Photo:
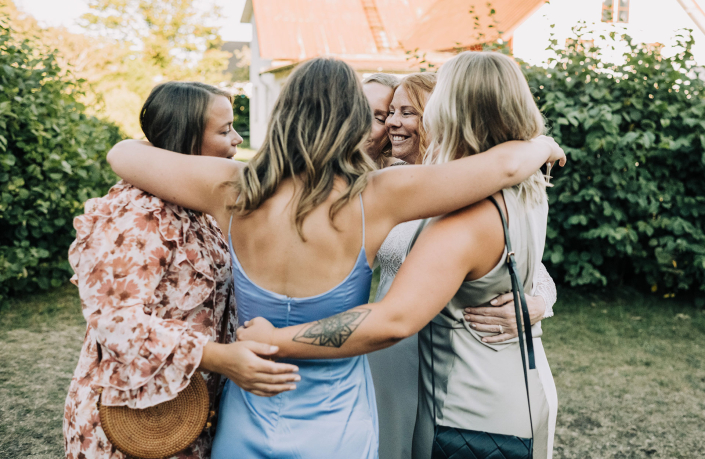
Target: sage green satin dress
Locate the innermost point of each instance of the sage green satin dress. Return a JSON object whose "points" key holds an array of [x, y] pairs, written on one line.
{"points": [[480, 386]]}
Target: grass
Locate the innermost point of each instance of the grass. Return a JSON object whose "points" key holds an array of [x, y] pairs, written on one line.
{"points": [[630, 373], [40, 339], [245, 154]]}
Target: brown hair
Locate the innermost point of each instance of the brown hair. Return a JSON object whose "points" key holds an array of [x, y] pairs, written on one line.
{"points": [[482, 99], [392, 83], [316, 132], [175, 114], [419, 86]]}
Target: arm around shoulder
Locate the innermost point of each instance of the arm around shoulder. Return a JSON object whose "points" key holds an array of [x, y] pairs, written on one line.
{"points": [[428, 279], [195, 182], [413, 192]]}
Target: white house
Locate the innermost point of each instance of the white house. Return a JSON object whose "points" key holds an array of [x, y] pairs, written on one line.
{"points": [[646, 21]]}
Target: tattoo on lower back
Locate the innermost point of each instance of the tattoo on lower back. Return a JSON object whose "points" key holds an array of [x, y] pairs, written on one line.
{"points": [[333, 331]]}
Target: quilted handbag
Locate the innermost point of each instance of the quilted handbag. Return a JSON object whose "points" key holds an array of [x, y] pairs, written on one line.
{"points": [[456, 443]]}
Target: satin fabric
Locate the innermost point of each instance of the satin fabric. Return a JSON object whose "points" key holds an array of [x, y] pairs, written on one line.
{"points": [[332, 412]]}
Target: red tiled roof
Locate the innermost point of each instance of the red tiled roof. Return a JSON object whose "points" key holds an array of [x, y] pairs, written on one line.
{"points": [[400, 16], [449, 22], [301, 29]]}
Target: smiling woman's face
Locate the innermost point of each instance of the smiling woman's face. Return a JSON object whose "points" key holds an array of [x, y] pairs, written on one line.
{"points": [[379, 97], [403, 127], [219, 137]]}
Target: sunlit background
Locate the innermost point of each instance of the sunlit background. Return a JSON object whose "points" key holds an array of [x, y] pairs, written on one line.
{"points": [[626, 234], [376, 40], [66, 13]]}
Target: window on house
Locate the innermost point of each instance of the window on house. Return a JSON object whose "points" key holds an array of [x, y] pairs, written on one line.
{"points": [[623, 11], [607, 10], [615, 11]]}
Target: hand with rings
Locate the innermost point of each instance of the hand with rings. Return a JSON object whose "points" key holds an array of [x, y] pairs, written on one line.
{"points": [[498, 317]]}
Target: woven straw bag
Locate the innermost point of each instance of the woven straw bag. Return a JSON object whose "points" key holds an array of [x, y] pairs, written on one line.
{"points": [[163, 430]]}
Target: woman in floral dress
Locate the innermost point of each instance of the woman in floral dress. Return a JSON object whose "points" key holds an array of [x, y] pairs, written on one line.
{"points": [[155, 280]]}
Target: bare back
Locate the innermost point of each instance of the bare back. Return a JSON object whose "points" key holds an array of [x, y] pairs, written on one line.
{"points": [[274, 256]]}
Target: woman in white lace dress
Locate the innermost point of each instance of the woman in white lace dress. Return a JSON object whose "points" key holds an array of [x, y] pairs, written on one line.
{"points": [[395, 370]]}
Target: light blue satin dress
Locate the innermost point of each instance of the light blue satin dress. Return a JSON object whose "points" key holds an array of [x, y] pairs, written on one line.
{"points": [[332, 412]]}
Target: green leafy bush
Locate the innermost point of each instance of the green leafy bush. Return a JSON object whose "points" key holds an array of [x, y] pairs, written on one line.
{"points": [[52, 159], [630, 205], [241, 118]]}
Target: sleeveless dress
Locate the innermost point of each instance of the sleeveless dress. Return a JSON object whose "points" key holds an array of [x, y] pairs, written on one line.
{"points": [[480, 386], [395, 370], [332, 412]]}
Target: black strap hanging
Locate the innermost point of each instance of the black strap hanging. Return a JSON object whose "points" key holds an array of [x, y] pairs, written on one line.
{"points": [[464, 443]]}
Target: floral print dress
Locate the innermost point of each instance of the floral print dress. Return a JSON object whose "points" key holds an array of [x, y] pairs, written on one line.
{"points": [[154, 280]]}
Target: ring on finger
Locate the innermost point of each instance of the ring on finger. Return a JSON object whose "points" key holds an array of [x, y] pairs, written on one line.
{"points": [[501, 329]]}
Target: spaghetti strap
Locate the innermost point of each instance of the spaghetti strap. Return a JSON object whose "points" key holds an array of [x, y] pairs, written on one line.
{"points": [[362, 207], [230, 226]]}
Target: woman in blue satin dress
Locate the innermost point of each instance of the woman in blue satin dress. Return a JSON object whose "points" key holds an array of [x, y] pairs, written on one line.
{"points": [[333, 407], [306, 217]]}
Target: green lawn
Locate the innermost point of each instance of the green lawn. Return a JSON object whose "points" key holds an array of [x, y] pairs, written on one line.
{"points": [[630, 373]]}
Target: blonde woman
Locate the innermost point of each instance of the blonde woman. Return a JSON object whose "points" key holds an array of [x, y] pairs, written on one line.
{"points": [[482, 100], [379, 90], [305, 218], [395, 370]]}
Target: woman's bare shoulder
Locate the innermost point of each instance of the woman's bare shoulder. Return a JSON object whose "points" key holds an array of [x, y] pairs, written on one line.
{"points": [[475, 230]]}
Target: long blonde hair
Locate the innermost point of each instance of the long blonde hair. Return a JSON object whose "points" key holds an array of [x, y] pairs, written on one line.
{"points": [[481, 100], [392, 83], [419, 86], [316, 132]]}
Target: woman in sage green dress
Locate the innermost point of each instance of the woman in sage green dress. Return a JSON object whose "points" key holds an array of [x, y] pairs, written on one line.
{"points": [[395, 370]]}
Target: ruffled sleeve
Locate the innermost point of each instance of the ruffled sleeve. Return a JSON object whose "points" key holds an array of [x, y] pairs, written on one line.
{"points": [[546, 289], [125, 252]]}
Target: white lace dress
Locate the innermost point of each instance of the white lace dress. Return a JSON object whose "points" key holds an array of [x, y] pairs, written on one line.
{"points": [[395, 370]]}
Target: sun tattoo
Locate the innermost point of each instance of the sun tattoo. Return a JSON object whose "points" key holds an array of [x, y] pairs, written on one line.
{"points": [[333, 331]]}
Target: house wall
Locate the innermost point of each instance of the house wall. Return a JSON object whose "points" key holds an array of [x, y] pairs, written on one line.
{"points": [[262, 89], [650, 21]]}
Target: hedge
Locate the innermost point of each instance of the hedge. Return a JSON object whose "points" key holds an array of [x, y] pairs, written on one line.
{"points": [[52, 159], [629, 208]]}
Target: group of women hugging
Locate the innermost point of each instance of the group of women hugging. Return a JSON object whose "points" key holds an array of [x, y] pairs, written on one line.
{"points": [[351, 174]]}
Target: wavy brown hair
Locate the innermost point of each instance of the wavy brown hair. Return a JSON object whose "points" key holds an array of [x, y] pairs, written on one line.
{"points": [[316, 133], [419, 87]]}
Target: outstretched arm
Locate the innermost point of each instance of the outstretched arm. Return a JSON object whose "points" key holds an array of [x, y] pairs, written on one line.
{"points": [[431, 275], [198, 183], [412, 192]]}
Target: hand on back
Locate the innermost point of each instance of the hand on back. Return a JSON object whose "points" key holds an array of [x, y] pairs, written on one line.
{"points": [[245, 363], [498, 317]]}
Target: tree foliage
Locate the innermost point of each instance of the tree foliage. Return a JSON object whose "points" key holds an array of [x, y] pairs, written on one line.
{"points": [[51, 161], [174, 36], [630, 205], [131, 45]]}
